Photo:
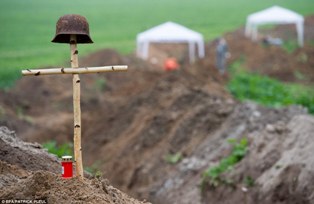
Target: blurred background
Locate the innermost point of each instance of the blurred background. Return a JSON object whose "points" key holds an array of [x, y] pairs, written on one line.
{"points": [[28, 26]]}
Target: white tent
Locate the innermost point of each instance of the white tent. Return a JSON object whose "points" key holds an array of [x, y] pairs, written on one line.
{"points": [[274, 15], [170, 32]]}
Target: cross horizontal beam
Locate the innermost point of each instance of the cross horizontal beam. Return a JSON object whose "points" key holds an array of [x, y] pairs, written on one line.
{"points": [[81, 70]]}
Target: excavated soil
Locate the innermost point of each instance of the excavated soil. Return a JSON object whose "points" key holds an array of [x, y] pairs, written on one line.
{"points": [[132, 120], [28, 172]]}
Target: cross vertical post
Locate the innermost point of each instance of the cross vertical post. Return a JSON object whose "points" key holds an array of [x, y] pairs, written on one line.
{"points": [[76, 108]]}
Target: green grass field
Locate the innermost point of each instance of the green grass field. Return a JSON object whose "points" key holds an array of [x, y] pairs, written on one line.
{"points": [[27, 26]]}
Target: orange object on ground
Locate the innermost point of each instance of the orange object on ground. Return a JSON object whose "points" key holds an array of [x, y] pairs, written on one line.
{"points": [[171, 64]]}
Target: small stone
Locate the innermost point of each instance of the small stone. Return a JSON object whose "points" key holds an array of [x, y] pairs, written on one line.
{"points": [[270, 128]]}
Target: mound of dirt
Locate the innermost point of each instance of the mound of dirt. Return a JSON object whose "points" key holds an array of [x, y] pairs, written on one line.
{"points": [[29, 156], [54, 189], [280, 163], [29, 172], [267, 130]]}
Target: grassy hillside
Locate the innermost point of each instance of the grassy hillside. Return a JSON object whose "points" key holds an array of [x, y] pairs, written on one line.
{"points": [[27, 26]]}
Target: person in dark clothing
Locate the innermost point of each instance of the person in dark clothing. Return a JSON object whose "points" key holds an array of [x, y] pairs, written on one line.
{"points": [[221, 55]]}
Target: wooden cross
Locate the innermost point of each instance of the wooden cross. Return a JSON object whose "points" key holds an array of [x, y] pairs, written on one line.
{"points": [[75, 70]]}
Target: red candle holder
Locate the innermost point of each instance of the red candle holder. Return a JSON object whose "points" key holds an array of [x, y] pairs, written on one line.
{"points": [[67, 167]]}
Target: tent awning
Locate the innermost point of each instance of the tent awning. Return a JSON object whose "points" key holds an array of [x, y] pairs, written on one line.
{"points": [[170, 32], [274, 15]]}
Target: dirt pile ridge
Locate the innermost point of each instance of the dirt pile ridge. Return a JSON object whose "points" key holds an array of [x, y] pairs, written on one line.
{"points": [[29, 156], [28, 172], [273, 151], [280, 163]]}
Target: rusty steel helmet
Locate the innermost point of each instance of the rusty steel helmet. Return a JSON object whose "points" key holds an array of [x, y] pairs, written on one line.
{"points": [[70, 24]]}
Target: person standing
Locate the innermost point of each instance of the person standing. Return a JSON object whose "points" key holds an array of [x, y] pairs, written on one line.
{"points": [[221, 55]]}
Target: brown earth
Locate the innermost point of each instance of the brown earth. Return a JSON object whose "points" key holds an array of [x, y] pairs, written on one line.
{"points": [[131, 121], [28, 172], [270, 153]]}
